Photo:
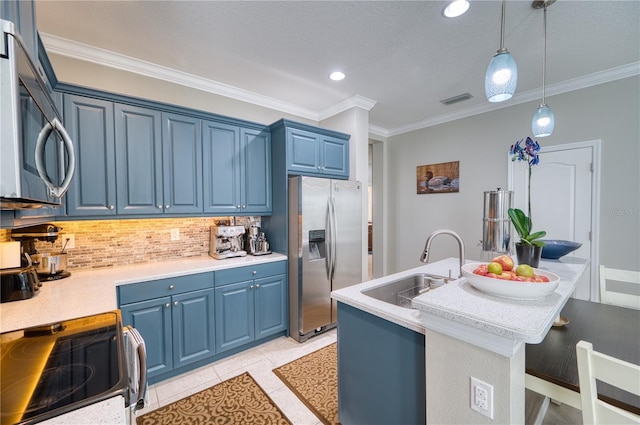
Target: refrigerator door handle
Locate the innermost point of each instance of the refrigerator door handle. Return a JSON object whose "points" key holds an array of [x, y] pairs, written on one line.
{"points": [[334, 237], [328, 225]]}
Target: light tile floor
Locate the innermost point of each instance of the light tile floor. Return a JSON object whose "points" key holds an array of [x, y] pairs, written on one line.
{"points": [[259, 362]]}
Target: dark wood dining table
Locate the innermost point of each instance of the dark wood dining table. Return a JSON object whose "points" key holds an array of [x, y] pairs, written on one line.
{"points": [[612, 330]]}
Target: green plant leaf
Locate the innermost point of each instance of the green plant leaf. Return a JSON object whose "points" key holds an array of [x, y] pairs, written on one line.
{"points": [[519, 221], [537, 235]]}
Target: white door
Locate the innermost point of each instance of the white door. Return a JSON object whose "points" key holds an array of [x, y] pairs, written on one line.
{"points": [[563, 201]]}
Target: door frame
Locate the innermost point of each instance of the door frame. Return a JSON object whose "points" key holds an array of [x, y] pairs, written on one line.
{"points": [[595, 146]]}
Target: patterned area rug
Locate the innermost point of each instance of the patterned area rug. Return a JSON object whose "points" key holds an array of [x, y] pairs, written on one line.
{"points": [[238, 400], [314, 379]]}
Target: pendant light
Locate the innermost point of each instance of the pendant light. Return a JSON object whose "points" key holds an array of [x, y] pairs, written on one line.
{"points": [[543, 120], [502, 74]]}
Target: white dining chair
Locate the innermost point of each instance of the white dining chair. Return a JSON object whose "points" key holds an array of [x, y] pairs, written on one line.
{"points": [[609, 296], [594, 365]]}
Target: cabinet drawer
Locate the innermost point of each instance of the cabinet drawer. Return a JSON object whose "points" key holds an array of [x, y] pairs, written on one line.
{"points": [[240, 274], [163, 287]]}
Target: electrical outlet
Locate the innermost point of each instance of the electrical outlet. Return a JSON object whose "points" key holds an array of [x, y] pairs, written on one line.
{"points": [[175, 234], [482, 397], [69, 241]]}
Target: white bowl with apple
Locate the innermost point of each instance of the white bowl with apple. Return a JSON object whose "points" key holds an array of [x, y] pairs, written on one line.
{"points": [[502, 278]]}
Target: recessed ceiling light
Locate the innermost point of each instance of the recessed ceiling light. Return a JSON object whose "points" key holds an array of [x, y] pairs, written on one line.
{"points": [[337, 76], [455, 8]]}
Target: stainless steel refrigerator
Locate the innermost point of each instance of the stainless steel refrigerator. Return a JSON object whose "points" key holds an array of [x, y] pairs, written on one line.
{"points": [[325, 249]]}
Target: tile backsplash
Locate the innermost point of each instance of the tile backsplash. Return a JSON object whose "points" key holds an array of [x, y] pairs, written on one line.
{"points": [[108, 243]]}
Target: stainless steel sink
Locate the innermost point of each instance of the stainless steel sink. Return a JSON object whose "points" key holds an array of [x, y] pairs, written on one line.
{"points": [[400, 292]]}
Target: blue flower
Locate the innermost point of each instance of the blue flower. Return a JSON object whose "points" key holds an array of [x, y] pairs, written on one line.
{"points": [[527, 153]]}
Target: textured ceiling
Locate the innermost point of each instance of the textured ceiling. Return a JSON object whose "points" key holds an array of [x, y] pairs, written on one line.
{"points": [[403, 55]]}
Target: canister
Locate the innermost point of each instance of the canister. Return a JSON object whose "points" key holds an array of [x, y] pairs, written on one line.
{"points": [[496, 225]]}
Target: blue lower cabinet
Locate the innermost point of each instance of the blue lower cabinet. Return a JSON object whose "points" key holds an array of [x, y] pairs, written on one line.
{"points": [[152, 319], [234, 315], [175, 318], [193, 327], [250, 310], [381, 370]]}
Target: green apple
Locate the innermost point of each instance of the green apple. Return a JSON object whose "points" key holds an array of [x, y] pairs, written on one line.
{"points": [[524, 270], [495, 268]]}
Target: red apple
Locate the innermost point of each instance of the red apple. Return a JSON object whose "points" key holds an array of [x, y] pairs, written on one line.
{"points": [[509, 274], [505, 261]]}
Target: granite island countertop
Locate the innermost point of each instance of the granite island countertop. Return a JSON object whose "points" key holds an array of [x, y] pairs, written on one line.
{"points": [[88, 292], [458, 307]]}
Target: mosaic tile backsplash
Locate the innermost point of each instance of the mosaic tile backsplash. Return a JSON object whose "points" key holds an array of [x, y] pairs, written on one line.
{"points": [[108, 243]]}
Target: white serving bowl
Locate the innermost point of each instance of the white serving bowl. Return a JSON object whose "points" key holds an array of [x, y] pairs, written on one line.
{"points": [[509, 288]]}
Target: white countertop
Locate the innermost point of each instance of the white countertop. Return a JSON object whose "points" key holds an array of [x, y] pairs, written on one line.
{"points": [[459, 304], [88, 292]]}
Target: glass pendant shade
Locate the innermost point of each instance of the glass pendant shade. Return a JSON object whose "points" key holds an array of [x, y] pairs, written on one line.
{"points": [[543, 121], [502, 77]]}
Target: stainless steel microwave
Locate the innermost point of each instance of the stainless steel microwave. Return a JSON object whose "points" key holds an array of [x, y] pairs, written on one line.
{"points": [[37, 159]]}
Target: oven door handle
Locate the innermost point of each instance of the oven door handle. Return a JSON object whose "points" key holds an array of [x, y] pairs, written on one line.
{"points": [[55, 191], [142, 385]]}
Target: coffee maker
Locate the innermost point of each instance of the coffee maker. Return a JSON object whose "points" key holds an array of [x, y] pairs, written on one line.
{"points": [[257, 243], [49, 266], [227, 242]]}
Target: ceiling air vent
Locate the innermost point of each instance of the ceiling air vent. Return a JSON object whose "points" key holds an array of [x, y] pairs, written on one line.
{"points": [[458, 98]]}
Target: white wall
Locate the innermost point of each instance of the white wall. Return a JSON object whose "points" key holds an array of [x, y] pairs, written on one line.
{"points": [[609, 112]]}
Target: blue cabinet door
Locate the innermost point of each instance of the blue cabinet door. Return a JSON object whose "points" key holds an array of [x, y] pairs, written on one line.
{"points": [[303, 152], [90, 125], [234, 315], [270, 305], [335, 156], [193, 327], [138, 160], [317, 154], [182, 157], [221, 162], [256, 174], [152, 319]]}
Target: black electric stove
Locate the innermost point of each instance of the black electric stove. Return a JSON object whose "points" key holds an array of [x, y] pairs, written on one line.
{"points": [[52, 369]]}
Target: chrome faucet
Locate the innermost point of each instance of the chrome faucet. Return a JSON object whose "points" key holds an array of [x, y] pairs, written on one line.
{"points": [[425, 254]]}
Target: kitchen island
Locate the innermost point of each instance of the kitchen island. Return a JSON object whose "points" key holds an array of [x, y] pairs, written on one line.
{"points": [[88, 292], [466, 333]]}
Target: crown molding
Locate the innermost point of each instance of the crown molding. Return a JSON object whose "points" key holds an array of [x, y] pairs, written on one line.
{"points": [[585, 81], [73, 49], [354, 101]]}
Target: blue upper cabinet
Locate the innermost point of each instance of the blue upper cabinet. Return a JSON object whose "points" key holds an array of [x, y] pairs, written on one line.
{"points": [[255, 153], [312, 150], [182, 157], [221, 162], [138, 160], [90, 124], [158, 162], [237, 169]]}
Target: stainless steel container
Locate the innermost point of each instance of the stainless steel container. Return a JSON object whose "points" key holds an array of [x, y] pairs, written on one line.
{"points": [[496, 225], [49, 263]]}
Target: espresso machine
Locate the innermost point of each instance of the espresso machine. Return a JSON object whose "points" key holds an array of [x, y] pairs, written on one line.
{"points": [[227, 242], [49, 266], [257, 243]]}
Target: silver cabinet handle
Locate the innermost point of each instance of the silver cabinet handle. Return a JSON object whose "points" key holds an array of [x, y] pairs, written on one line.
{"points": [[244, 206], [159, 206], [167, 305], [255, 272], [251, 287], [171, 286], [111, 207], [238, 206], [257, 285], [175, 303], [167, 206]]}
